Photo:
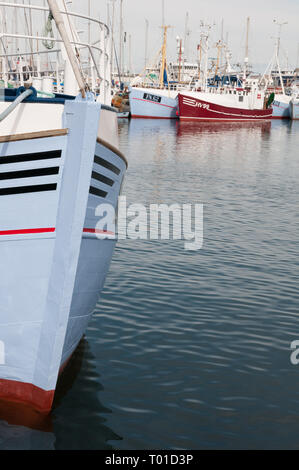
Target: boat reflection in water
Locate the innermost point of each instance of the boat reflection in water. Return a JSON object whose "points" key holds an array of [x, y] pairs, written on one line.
{"points": [[185, 128], [76, 406], [158, 133], [206, 140]]}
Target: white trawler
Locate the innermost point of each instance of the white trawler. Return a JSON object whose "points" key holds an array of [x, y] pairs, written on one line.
{"points": [[59, 160], [152, 99]]}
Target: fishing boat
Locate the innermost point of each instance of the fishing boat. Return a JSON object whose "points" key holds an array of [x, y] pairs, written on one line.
{"points": [[154, 103], [59, 162], [294, 102], [150, 98], [224, 105], [294, 109], [279, 83], [230, 101], [281, 106]]}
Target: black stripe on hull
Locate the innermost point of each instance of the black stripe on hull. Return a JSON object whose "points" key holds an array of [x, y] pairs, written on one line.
{"points": [[28, 189], [29, 173], [100, 161], [102, 178], [30, 157], [97, 192]]}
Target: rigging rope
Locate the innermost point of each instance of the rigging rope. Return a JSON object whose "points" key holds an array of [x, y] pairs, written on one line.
{"points": [[48, 31]]}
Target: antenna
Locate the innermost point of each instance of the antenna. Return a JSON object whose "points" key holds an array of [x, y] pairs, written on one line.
{"points": [[280, 25], [146, 44], [187, 34]]}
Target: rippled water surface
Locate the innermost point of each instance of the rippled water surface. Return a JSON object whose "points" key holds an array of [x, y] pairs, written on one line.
{"points": [[191, 349]]}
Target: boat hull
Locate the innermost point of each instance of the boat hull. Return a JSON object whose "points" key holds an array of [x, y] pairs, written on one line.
{"points": [[153, 104], [196, 109], [281, 110], [294, 105], [54, 260]]}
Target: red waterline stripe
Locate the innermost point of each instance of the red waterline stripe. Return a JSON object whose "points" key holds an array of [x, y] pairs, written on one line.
{"points": [[26, 231], [153, 117], [49, 230], [153, 102], [94, 230]]}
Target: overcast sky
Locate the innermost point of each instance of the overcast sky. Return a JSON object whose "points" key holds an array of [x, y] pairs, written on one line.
{"points": [[233, 14]]}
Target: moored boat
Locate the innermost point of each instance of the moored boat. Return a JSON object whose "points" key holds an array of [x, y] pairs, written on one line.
{"points": [[156, 99], [59, 160], [294, 109], [281, 107], [230, 105], [153, 103]]}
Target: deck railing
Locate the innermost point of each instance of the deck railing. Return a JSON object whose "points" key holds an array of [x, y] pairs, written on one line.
{"points": [[26, 56]]}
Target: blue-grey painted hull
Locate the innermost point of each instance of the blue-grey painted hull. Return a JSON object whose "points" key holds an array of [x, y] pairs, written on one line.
{"points": [[294, 110], [165, 107], [281, 110], [53, 264]]}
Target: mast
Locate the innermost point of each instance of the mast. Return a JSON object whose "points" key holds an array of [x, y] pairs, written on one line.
{"points": [[180, 51], [199, 51], [121, 39], [130, 55], [222, 38], [219, 47], [17, 26], [246, 48], [206, 62], [112, 35], [278, 66], [146, 44], [4, 63], [187, 34], [67, 44], [280, 25], [163, 58], [89, 39], [205, 49]]}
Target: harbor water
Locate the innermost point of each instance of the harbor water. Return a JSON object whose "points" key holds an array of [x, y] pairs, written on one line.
{"points": [[191, 349]]}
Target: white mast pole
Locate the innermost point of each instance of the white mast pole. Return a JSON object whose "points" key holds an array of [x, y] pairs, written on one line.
{"points": [[121, 39], [146, 45], [68, 47], [186, 39], [112, 36], [277, 53], [4, 45], [130, 54], [246, 49]]}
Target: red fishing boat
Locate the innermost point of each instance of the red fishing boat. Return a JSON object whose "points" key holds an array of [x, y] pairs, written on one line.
{"points": [[231, 104]]}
